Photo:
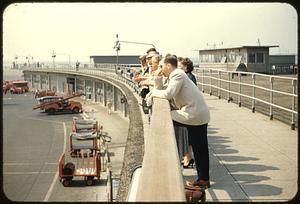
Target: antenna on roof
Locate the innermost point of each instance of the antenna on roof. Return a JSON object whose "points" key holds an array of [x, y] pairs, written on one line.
{"points": [[214, 46], [258, 41]]}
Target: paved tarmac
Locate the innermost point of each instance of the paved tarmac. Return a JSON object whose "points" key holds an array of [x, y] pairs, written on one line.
{"points": [[116, 126]]}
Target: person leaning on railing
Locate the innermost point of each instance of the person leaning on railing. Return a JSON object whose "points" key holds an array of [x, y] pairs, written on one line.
{"points": [[187, 66], [145, 74], [192, 112], [152, 76]]}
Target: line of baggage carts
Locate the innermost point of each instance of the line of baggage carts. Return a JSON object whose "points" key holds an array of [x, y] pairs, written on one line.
{"points": [[83, 158]]}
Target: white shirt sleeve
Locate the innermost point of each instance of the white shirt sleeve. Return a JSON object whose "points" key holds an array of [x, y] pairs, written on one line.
{"points": [[172, 90]]}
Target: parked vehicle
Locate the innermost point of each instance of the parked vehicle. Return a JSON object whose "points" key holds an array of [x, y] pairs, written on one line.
{"points": [[61, 105], [6, 86], [84, 164], [41, 93], [83, 157], [46, 99], [19, 87]]}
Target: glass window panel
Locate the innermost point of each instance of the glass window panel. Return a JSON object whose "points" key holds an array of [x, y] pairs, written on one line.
{"points": [[259, 57], [251, 58]]}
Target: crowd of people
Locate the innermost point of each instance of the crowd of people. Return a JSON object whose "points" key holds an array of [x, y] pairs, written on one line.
{"points": [[170, 77]]}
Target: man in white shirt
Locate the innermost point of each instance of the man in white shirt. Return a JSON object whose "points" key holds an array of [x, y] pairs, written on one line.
{"points": [[192, 112]]}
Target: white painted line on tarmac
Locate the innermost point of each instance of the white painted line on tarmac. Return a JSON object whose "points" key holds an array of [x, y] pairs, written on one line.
{"points": [[30, 172], [45, 120], [65, 137], [24, 164], [56, 175]]}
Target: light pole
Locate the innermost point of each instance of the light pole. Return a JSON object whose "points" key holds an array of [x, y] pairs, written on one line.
{"points": [[117, 46], [16, 58], [53, 56]]}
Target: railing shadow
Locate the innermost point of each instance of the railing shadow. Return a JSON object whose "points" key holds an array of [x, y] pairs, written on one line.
{"points": [[234, 175]]}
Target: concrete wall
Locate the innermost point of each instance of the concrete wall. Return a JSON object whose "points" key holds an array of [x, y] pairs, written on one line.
{"points": [[95, 89]]}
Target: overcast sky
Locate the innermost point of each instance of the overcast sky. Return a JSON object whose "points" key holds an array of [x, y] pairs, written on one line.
{"points": [[79, 30]]}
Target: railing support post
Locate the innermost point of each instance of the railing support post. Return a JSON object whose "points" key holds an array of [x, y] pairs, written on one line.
{"points": [[109, 186], [104, 94], [210, 82], [293, 104], [271, 97], [202, 80], [240, 89], [228, 95], [253, 93], [219, 91]]}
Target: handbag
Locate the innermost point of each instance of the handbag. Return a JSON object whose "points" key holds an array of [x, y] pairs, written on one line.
{"points": [[195, 195]]}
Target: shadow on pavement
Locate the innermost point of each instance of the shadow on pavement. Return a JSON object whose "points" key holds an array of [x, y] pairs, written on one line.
{"points": [[234, 175]]}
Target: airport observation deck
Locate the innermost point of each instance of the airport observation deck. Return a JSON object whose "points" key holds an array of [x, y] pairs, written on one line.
{"points": [[252, 158]]}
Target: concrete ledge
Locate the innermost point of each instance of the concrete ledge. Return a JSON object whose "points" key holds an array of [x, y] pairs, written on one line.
{"points": [[161, 177]]}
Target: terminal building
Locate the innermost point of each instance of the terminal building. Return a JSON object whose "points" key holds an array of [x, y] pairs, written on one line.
{"points": [[132, 60], [247, 58]]}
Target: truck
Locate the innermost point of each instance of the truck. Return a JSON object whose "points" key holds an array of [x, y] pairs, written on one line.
{"points": [[6, 86], [19, 87], [15, 87], [61, 105]]}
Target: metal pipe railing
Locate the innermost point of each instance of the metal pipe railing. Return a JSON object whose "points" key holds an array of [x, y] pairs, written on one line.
{"points": [[215, 74]]}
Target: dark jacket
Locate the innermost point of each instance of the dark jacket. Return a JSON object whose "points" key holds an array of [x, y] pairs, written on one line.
{"points": [[192, 77]]}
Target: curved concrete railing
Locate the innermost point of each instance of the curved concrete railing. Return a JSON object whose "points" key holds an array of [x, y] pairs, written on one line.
{"points": [[134, 149], [161, 177]]}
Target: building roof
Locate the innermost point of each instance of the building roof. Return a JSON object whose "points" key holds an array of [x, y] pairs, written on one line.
{"points": [[112, 59], [93, 56], [239, 47]]}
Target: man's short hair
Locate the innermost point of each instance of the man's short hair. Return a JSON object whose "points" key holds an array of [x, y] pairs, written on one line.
{"points": [[151, 49], [172, 59], [142, 58]]}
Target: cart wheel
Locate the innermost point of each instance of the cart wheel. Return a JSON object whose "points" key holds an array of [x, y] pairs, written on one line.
{"points": [[89, 181], [66, 182]]}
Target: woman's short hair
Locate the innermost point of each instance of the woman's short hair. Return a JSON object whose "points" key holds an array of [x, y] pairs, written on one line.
{"points": [[190, 65], [187, 62]]}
